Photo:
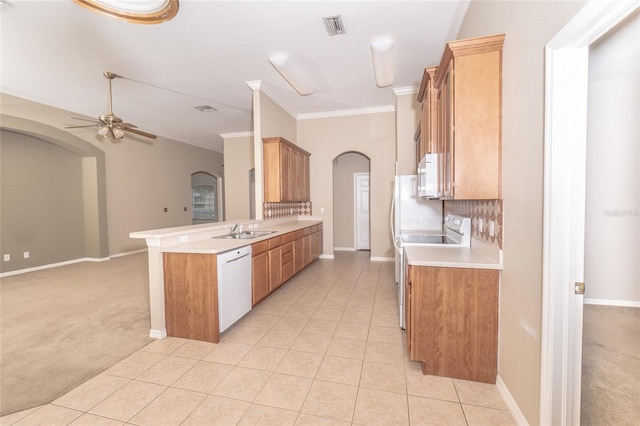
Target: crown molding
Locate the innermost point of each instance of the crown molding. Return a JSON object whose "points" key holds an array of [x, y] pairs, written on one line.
{"points": [[346, 112], [407, 90], [236, 135], [254, 84]]}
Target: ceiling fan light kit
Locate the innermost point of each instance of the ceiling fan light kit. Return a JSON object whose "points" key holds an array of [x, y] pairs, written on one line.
{"points": [[292, 73], [384, 61], [109, 125], [138, 12]]}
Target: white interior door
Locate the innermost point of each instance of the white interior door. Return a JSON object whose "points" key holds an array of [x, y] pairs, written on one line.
{"points": [[361, 191], [566, 59]]}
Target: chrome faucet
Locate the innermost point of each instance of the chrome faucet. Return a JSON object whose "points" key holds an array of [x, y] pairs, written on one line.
{"points": [[235, 227]]}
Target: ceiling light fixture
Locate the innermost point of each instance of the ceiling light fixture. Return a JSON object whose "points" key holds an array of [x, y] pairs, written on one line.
{"points": [[205, 108], [292, 73], [384, 61], [139, 12]]}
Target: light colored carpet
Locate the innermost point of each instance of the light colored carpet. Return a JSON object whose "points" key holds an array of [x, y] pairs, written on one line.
{"points": [[610, 366], [61, 326]]}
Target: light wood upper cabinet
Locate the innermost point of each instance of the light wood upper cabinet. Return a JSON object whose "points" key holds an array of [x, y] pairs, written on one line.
{"points": [[427, 97], [469, 107], [286, 171]]}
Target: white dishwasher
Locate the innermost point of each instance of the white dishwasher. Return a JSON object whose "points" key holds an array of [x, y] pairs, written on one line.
{"points": [[234, 285]]}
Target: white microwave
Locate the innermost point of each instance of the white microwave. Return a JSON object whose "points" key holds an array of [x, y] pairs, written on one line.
{"points": [[428, 176]]}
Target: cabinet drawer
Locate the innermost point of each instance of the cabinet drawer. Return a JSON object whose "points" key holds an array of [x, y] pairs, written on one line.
{"points": [[298, 234], [287, 271], [287, 257], [287, 237], [274, 242], [258, 248]]}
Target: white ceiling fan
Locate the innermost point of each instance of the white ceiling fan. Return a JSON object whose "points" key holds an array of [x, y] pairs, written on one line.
{"points": [[109, 125]]}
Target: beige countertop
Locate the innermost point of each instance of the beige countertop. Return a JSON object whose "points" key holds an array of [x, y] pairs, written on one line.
{"points": [[478, 256], [213, 245]]}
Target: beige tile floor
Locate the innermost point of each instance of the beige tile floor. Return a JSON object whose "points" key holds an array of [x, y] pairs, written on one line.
{"points": [[325, 349]]}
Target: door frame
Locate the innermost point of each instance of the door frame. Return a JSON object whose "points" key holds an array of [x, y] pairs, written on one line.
{"points": [[565, 140], [355, 208]]}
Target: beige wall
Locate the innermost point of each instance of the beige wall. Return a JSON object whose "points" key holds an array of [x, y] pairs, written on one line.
{"points": [[275, 121], [612, 238], [372, 135], [42, 202], [142, 176], [407, 121], [238, 160], [528, 27], [343, 197]]}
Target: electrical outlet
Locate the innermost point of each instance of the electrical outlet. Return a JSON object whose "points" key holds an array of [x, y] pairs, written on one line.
{"points": [[165, 209], [26, 254], [321, 210], [7, 257], [492, 230], [480, 224]]}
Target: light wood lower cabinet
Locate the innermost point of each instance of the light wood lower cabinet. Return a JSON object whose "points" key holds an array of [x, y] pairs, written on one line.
{"points": [[191, 296], [452, 321], [191, 281], [298, 251], [275, 263], [259, 271]]}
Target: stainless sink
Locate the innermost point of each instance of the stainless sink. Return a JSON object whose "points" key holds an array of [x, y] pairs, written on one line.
{"points": [[245, 235]]}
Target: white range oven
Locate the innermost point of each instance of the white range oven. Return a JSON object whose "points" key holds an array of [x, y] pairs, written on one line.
{"points": [[456, 233]]}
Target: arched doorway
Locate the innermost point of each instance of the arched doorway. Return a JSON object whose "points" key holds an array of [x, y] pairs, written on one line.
{"points": [[351, 217]]}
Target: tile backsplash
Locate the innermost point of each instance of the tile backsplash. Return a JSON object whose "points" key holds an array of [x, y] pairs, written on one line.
{"points": [[488, 210], [280, 210]]}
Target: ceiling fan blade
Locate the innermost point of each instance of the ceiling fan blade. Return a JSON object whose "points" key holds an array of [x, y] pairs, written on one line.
{"points": [[78, 127], [128, 125], [139, 132], [113, 135], [85, 119]]}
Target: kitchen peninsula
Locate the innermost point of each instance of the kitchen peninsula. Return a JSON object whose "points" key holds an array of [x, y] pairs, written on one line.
{"points": [[304, 233]]}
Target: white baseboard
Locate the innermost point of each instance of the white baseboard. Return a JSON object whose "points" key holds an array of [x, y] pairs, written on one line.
{"points": [[326, 256], [127, 253], [344, 249], [67, 262], [382, 259], [154, 333], [611, 302], [520, 419]]}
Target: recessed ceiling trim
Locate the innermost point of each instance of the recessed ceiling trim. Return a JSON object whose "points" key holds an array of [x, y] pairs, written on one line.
{"points": [[138, 12]]}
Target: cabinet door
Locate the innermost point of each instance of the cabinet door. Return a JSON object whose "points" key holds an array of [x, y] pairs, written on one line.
{"points": [[298, 255], [191, 296], [306, 192], [308, 249], [275, 268], [285, 173], [446, 131], [454, 322], [260, 277]]}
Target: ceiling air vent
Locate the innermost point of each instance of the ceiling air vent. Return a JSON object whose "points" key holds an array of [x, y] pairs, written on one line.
{"points": [[334, 25], [205, 108]]}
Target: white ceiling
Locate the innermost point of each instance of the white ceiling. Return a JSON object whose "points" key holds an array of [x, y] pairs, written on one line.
{"points": [[54, 52]]}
